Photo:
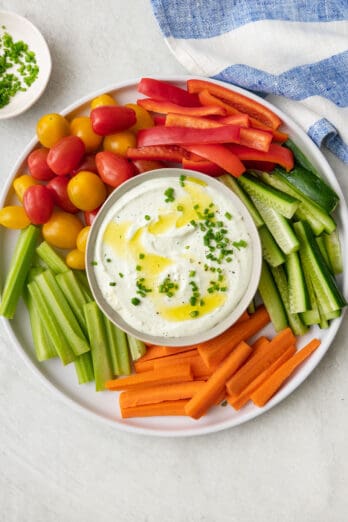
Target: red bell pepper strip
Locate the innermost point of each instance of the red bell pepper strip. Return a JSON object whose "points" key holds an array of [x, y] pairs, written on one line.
{"points": [[185, 135], [205, 166], [170, 153], [206, 98], [159, 120], [142, 165], [235, 119], [221, 155], [238, 101], [276, 154], [159, 90], [264, 166], [163, 107], [249, 137]]}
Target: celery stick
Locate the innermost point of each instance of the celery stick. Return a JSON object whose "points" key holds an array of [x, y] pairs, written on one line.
{"points": [[83, 281], [84, 368], [50, 257], [111, 335], [251, 308], [51, 323], [44, 347], [123, 356], [75, 296], [19, 268], [137, 348], [59, 307], [98, 340]]}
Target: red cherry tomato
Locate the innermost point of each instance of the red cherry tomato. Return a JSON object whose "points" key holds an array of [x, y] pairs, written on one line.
{"points": [[113, 169], [88, 163], [58, 188], [110, 119], [90, 215], [38, 204], [65, 155], [146, 165], [37, 163]]}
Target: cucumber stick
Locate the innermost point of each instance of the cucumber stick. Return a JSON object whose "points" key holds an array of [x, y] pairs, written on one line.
{"points": [[333, 249], [311, 186], [301, 159], [232, 184], [295, 322], [270, 250], [271, 299], [19, 269], [276, 180], [298, 294], [99, 347], [279, 227], [328, 295], [271, 197], [311, 316]]}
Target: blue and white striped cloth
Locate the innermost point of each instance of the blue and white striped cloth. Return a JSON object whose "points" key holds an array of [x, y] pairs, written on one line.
{"points": [[294, 52]]}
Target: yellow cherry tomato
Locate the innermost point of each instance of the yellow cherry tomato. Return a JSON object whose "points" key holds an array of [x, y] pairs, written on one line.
{"points": [[76, 259], [62, 229], [82, 127], [86, 190], [144, 118], [101, 101], [21, 184], [14, 217], [81, 241], [120, 142], [51, 128]]}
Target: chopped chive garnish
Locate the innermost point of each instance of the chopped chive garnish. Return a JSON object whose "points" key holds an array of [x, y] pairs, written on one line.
{"points": [[169, 193], [135, 301], [228, 215], [94, 263], [180, 208], [108, 260], [147, 217], [192, 273], [112, 283], [120, 274], [138, 268], [182, 180], [194, 313], [141, 256]]}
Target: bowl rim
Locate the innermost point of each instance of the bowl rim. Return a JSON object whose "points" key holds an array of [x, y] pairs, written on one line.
{"points": [[223, 324], [36, 92]]}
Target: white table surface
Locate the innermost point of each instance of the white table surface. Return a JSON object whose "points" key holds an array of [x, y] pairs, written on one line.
{"points": [[57, 464]]}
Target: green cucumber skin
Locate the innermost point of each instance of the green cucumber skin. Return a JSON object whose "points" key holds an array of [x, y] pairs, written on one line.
{"points": [[300, 158], [270, 250], [294, 319], [312, 187], [271, 299], [328, 295], [333, 249], [306, 205], [280, 201], [233, 185]]}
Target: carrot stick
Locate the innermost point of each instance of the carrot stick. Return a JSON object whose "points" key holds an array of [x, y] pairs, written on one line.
{"points": [[199, 369], [274, 382], [155, 410], [144, 366], [159, 393], [215, 350], [245, 315], [174, 373], [260, 341], [208, 395], [162, 351], [244, 397], [260, 362]]}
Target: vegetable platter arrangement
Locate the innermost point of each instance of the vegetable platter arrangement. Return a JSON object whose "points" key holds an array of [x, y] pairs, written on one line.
{"points": [[57, 189]]}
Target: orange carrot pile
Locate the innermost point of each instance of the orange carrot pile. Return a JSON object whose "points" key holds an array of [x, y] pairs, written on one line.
{"points": [[190, 380]]}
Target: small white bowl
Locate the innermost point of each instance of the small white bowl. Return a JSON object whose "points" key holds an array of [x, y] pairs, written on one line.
{"points": [[21, 29], [188, 339]]}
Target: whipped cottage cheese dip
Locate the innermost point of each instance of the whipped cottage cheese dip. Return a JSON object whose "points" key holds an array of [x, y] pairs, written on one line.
{"points": [[173, 256]]}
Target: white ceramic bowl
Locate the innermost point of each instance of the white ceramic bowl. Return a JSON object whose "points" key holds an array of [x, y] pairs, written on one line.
{"points": [[183, 340], [21, 29]]}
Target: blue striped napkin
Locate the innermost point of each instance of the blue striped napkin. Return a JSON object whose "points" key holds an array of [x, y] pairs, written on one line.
{"points": [[293, 52]]}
